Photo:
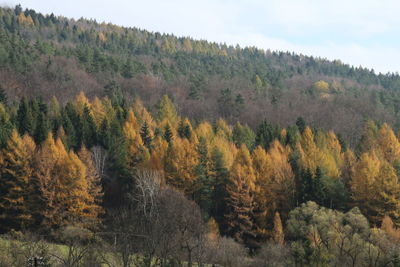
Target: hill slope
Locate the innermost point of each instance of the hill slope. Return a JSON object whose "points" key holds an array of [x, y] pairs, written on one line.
{"points": [[47, 55]]}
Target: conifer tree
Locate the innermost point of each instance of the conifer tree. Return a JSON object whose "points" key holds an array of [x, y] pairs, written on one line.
{"points": [[146, 135], [3, 96], [375, 188], [219, 176], [89, 129], [6, 126], [16, 170], [166, 110], [25, 119], [239, 209], [168, 133]]}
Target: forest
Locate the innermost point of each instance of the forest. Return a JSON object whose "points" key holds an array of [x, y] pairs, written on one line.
{"points": [[121, 147]]}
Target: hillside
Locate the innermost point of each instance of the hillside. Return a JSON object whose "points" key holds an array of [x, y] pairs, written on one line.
{"points": [[47, 55]]}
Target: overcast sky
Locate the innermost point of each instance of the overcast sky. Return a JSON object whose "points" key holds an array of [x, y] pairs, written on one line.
{"points": [[357, 32]]}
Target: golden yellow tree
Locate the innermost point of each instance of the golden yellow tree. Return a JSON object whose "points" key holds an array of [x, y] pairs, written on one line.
{"points": [[243, 167], [180, 164], [375, 188], [98, 111], [94, 188], [80, 102], [389, 145], [61, 180], [16, 170]]}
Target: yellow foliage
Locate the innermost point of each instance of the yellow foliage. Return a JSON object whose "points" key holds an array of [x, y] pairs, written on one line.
{"points": [[223, 129], [80, 102], [180, 166], [228, 150], [205, 130], [389, 145], [98, 111], [25, 20], [321, 86], [102, 37], [243, 167], [375, 188]]}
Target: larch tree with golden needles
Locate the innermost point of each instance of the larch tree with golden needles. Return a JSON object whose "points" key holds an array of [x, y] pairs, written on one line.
{"points": [[137, 151], [16, 170], [94, 188], [180, 165], [62, 182], [239, 201], [375, 188]]}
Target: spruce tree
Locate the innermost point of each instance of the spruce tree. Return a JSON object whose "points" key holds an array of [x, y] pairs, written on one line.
{"points": [[146, 135], [168, 133], [3, 96]]}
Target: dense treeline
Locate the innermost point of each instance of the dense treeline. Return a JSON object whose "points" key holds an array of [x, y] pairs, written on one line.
{"points": [[110, 166], [48, 55]]}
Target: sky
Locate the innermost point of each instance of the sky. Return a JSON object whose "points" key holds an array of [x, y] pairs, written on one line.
{"points": [[357, 32]]}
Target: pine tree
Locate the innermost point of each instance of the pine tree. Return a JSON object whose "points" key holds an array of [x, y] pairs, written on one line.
{"points": [[168, 133], [42, 128], [219, 177], [89, 129], [6, 126], [25, 119], [204, 186], [146, 135], [3, 96]]}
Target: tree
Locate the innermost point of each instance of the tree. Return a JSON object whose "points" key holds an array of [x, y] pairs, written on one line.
{"points": [[375, 188], [326, 237], [166, 110], [219, 175], [61, 180], [278, 235], [3, 96], [89, 129], [180, 165], [94, 188], [168, 135], [204, 185], [243, 135], [239, 209], [146, 135], [6, 126], [16, 170], [25, 119]]}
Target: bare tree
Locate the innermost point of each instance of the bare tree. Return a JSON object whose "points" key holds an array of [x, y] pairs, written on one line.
{"points": [[99, 155]]}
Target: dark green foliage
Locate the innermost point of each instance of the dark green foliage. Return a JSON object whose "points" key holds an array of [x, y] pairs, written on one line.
{"points": [[3, 95], [301, 124], [42, 128], [25, 119], [204, 184], [266, 133], [219, 174], [167, 133], [184, 130], [146, 135], [89, 129], [114, 92], [243, 135]]}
